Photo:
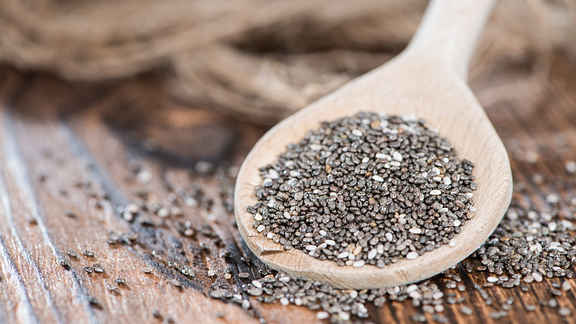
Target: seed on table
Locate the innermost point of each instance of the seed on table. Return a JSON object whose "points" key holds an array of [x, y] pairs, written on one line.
{"points": [[564, 311], [466, 310], [72, 254], [120, 281], [322, 315], [566, 286], [88, 253]]}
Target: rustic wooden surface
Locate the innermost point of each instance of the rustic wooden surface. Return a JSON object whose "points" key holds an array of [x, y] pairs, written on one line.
{"points": [[65, 147]]}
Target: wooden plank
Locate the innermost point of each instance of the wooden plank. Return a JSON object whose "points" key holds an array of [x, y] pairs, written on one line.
{"points": [[74, 147]]}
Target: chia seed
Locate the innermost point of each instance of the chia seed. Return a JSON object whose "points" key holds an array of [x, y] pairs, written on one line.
{"points": [[365, 190]]}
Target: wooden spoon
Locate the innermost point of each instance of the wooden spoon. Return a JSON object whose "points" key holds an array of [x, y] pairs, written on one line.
{"points": [[428, 79]]}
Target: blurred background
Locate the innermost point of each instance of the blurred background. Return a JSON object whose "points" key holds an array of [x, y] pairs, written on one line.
{"points": [[261, 60], [173, 64]]}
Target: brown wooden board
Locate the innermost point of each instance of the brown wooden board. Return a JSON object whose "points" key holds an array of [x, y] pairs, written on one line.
{"points": [[69, 157]]}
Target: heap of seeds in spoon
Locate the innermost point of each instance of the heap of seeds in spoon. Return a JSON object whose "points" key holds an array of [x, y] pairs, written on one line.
{"points": [[366, 189]]}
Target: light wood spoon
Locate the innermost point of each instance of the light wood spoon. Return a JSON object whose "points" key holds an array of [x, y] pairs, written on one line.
{"points": [[428, 79]]}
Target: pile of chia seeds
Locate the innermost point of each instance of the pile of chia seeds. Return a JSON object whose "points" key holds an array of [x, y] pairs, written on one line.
{"points": [[367, 189]]}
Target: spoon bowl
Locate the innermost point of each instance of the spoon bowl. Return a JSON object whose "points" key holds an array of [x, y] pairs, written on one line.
{"points": [[426, 80]]}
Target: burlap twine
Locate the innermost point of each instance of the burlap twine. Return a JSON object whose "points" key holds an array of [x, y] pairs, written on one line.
{"points": [[261, 60]]}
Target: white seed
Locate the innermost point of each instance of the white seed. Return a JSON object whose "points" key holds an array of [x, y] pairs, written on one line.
{"points": [[372, 254], [261, 228], [298, 301], [435, 192], [176, 211], [552, 198], [344, 316], [380, 248], [452, 243], [437, 179], [357, 132], [472, 209], [435, 171], [439, 308], [258, 217], [443, 210], [273, 174], [457, 223], [323, 232], [256, 284], [271, 202], [353, 294], [378, 178], [359, 264], [437, 295], [287, 215], [397, 156], [127, 216], [342, 255], [365, 160], [447, 181], [357, 250], [395, 164], [322, 315], [315, 147], [492, 279], [144, 176], [412, 255], [415, 230], [330, 242], [294, 174], [411, 288], [163, 212], [284, 301], [284, 279], [537, 276], [468, 195], [566, 285], [322, 246], [311, 247], [552, 226], [389, 237], [270, 235], [570, 166], [382, 156], [132, 208]]}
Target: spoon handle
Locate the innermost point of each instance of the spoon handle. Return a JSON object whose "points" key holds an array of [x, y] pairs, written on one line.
{"points": [[449, 32]]}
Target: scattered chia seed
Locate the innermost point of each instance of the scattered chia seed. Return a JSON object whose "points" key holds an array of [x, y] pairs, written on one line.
{"points": [[377, 188]]}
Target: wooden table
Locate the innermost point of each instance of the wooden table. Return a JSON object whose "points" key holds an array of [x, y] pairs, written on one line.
{"points": [[71, 154]]}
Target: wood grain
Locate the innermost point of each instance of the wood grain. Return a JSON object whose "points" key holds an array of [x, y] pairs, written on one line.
{"points": [[55, 135]]}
